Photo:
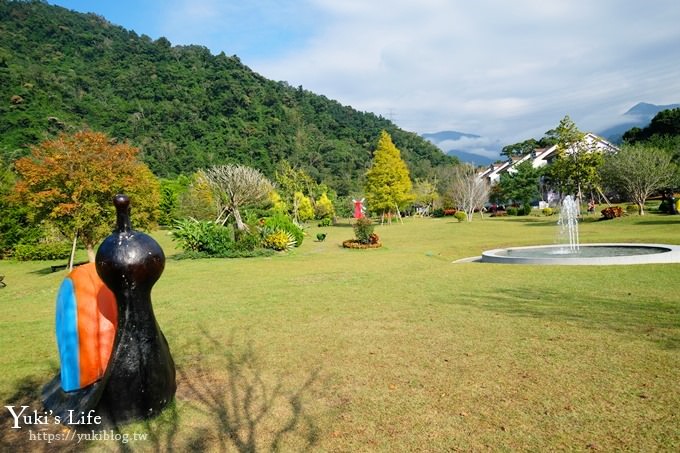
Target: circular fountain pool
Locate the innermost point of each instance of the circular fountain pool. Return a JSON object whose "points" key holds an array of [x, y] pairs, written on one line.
{"points": [[594, 254]]}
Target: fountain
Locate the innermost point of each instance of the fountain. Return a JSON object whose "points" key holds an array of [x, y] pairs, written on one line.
{"points": [[571, 252], [568, 223]]}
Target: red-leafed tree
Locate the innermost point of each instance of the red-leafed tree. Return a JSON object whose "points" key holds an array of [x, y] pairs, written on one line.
{"points": [[72, 179]]}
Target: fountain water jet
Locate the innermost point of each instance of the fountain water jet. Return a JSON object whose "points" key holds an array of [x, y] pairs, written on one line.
{"points": [[568, 223], [571, 252]]}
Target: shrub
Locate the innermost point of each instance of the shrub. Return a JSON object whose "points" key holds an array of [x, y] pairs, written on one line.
{"points": [[450, 212], [203, 236], [460, 216], [247, 241], [285, 223], [363, 228], [612, 212], [278, 205], [512, 211], [548, 212], [327, 221], [305, 210], [632, 209], [525, 209], [234, 253], [16, 227], [278, 240], [42, 251], [323, 208], [439, 212]]}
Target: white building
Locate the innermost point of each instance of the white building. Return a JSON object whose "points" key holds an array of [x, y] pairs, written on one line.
{"points": [[545, 156]]}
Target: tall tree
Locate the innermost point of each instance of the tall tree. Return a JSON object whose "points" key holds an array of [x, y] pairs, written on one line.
{"points": [[235, 187], [638, 171], [388, 185], [425, 194], [527, 146], [71, 180], [520, 149], [469, 192], [290, 181], [576, 167], [522, 185]]}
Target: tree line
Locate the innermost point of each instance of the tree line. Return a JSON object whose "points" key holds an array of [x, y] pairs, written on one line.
{"points": [[62, 191]]}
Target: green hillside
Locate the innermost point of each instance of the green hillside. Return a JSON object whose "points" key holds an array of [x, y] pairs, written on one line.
{"points": [[184, 107]]}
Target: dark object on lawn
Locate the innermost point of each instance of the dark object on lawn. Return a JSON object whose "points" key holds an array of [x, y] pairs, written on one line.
{"points": [[139, 380], [2, 284], [57, 267], [320, 237]]}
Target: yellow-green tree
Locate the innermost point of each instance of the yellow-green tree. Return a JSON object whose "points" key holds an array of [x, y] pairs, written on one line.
{"points": [[324, 207], [198, 201], [305, 211], [278, 205], [72, 179], [388, 185]]}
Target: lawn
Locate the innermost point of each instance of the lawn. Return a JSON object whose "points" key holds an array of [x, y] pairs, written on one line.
{"points": [[395, 349]]}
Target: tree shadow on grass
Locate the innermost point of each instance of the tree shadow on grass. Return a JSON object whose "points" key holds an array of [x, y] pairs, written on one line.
{"points": [[226, 401], [537, 223], [527, 219], [675, 221], [26, 392], [656, 322], [44, 271], [246, 410], [342, 224]]}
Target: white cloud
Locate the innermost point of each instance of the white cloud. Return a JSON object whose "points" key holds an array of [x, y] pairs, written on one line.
{"points": [[481, 146], [502, 69]]}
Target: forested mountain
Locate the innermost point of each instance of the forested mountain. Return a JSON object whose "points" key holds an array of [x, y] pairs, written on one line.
{"points": [[184, 107], [636, 117], [666, 123], [662, 132]]}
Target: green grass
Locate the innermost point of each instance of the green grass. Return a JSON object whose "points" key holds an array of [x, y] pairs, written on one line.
{"points": [[397, 349]]}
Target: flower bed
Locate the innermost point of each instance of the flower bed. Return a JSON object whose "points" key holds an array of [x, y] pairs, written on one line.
{"points": [[612, 212], [355, 244]]}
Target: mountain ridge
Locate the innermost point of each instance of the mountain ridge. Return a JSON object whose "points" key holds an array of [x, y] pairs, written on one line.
{"points": [[640, 115], [182, 106]]}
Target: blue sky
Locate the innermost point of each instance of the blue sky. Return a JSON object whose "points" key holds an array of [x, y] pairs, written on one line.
{"points": [[504, 70]]}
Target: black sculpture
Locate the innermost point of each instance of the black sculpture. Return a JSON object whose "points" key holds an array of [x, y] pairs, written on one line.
{"points": [[140, 376], [141, 372]]}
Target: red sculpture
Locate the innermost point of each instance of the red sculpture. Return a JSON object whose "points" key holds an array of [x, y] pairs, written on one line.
{"points": [[359, 209]]}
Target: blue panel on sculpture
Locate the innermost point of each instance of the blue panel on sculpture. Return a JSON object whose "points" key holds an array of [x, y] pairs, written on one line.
{"points": [[67, 336]]}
